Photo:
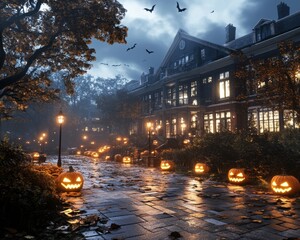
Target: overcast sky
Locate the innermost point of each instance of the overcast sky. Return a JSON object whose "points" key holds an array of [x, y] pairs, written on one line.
{"points": [[205, 19]]}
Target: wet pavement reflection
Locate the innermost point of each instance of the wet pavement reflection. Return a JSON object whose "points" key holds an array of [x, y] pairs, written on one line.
{"points": [[125, 201]]}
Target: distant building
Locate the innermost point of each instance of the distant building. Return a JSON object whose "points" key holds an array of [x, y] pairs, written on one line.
{"points": [[194, 89]]}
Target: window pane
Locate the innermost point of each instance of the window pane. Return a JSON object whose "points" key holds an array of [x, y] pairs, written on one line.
{"points": [[227, 90], [222, 89]]}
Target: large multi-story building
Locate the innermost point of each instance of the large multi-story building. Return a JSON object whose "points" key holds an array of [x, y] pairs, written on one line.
{"points": [[195, 89]]}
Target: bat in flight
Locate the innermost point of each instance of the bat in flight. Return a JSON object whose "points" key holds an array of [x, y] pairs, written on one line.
{"points": [[130, 48], [180, 9], [150, 9], [148, 51]]}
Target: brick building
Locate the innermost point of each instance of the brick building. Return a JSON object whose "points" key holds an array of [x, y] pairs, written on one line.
{"points": [[195, 90]]}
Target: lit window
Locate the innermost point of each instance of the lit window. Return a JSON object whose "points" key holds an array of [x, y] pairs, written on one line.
{"points": [[268, 120], [209, 80], [193, 88], [290, 119], [208, 123], [223, 121], [183, 94], [224, 89], [194, 121]]}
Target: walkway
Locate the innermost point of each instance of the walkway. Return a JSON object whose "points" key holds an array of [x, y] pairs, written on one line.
{"points": [[121, 201]]}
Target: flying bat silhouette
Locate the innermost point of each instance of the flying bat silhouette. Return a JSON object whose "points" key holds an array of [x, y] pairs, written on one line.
{"points": [[212, 11], [148, 51], [180, 9], [130, 48], [150, 9], [116, 65]]}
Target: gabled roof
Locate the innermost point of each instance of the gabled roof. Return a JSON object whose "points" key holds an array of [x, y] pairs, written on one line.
{"points": [[181, 34], [262, 22]]}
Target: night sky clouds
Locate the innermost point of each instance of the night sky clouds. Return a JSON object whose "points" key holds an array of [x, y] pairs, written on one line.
{"points": [[155, 31]]}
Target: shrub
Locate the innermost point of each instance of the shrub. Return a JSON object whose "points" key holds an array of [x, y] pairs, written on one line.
{"points": [[28, 194], [263, 156]]}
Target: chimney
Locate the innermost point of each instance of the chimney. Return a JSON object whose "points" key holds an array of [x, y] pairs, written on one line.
{"points": [[230, 33], [283, 10], [151, 70]]}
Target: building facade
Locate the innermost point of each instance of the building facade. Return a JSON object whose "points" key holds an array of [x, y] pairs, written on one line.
{"points": [[195, 89]]}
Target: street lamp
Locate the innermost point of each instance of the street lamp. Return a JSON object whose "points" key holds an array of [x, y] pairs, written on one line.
{"points": [[149, 125], [60, 120]]}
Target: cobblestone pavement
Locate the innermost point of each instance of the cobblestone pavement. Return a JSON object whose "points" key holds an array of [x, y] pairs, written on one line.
{"points": [[121, 201]]}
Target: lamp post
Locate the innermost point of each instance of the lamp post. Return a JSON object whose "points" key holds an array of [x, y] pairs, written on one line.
{"points": [[60, 120], [149, 125]]}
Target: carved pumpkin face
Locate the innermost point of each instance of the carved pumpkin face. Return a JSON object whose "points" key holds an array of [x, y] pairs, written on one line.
{"points": [[126, 159], [201, 168], [237, 176], [166, 165], [284, 185], [70, 181]]}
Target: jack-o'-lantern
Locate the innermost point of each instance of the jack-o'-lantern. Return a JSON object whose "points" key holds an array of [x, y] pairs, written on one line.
{"points": [[166, 165], [70, 181], [78, 152], [126, 159], [285, 184], [118, 157], [237, 175], [95, 154], [201, 168]]}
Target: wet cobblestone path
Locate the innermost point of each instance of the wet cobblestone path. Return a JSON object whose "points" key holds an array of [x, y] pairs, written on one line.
{"points": [[121, 201]]}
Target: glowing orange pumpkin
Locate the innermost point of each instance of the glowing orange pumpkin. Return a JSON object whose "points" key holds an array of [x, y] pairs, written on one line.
{"points": [[201, 168], [237, 175], [126, 159], [166, 165], [285, 185], [95, 154], [70, 181]]}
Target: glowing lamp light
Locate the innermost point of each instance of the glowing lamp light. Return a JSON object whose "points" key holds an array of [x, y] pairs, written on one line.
{"points": [[60, 118]]}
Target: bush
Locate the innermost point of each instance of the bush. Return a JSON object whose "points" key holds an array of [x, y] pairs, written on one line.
{"points": [[28, 194], [263, 156]]}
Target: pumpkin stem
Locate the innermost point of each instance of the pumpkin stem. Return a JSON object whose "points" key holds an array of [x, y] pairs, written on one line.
{"points": [[71, 169], [283, 171]]}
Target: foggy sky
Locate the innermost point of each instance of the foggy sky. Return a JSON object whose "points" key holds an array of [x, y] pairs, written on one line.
{"points": [[205, 19]]}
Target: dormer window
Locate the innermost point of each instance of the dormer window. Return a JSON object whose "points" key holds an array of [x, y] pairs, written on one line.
{"points": [[264, 29], [203, 54]]}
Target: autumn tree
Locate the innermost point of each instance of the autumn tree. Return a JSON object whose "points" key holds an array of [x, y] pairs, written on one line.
{"points": [[42, 37], [117, 108], [274, 81]]}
